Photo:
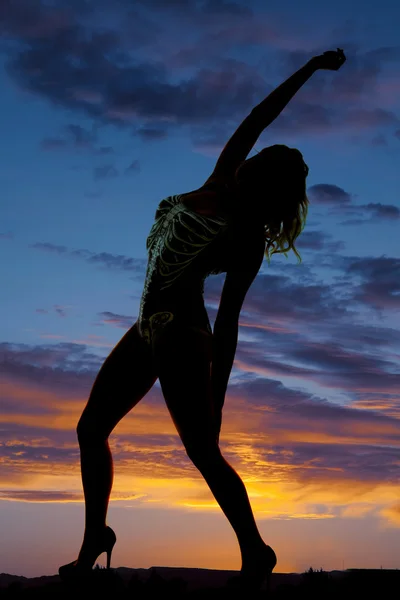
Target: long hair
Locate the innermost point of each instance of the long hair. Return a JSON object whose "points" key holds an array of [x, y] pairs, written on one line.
{"points": [[280, 173]]}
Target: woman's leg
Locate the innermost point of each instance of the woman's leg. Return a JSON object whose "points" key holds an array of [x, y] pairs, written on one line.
{"points": [[125, 377], [183, 359]]}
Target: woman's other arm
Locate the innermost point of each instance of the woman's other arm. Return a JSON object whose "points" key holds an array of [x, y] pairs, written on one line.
{"points": [[242, 141]]}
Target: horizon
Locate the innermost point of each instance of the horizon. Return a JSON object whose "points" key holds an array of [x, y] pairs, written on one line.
{"points": [[312, 569], [109, 109]]}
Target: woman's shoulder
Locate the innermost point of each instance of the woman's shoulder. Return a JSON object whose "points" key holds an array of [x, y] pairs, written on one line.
{"points": [[211, 199], [166, 204]]}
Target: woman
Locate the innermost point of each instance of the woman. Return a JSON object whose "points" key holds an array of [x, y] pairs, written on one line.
{"points": [[221, 227]]}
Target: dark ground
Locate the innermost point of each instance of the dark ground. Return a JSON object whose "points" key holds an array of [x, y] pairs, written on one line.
{"points": [[157, 582]]}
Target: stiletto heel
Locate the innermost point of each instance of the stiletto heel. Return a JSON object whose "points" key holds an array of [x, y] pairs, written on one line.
{"points": [[109, 549], [80, 568], [109, 556]]}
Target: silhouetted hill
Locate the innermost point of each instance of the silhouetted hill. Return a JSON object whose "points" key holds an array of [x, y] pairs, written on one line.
{"points": [[195, 578], [179, 582]]}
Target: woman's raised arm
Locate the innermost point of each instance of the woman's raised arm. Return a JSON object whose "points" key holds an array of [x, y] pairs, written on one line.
{"points": [[242, 141]]}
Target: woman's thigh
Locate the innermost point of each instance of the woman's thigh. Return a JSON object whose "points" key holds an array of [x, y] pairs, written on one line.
{"points": [[125, 377], [183, 355]]}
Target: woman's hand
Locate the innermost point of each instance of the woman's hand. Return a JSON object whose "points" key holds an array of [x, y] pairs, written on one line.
{"points": [[331, 60]]}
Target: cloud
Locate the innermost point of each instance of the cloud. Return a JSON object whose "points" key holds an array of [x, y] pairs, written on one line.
{"points": [[277, 296], [312, 410], [392, 513], [59, 310], [110, 261], [195, 9], [32, 19], [105, 150], [341, 202], [349, 101], [380, 281], [78, 136], [81, 136], [281, 309], [302, 117], [362, 118], [55, 496], [222, 7], [317, 240], [359, 80], [314, 450], [66, 356], [152, 133], [105, 172], [75, 137], [382, 211], [133, 168], [125, 322], [379, 140], [40, 496], [329, 194], [50, 247], [287, 447], [122, 75]]}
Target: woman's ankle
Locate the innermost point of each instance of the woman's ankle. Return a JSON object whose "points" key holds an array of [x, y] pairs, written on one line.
{"points": [[254, 550]]}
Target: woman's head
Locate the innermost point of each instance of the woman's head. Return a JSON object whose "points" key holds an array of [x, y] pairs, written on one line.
{"points": [[274, 183]]}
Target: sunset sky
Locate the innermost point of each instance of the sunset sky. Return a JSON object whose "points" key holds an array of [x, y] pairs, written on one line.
{"points": [[106, 109]]}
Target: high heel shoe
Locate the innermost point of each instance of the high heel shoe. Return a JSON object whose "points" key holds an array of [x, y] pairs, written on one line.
{"points": [[83, 567], [253, 577]]}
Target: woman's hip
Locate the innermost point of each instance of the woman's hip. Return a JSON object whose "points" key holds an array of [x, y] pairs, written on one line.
{"points": [[162, 325]]}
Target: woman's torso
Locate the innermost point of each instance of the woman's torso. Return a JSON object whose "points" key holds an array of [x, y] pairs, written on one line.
{"points": [[192, 236]]}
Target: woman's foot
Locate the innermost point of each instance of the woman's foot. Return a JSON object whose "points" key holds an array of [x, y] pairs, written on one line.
{"points": [[92, 547], [257, 567]]}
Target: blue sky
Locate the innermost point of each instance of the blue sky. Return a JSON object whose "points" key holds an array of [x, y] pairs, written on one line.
{"points": [[106, 110]]}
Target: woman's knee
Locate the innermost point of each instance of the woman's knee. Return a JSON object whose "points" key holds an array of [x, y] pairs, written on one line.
{"points": [[203, 454], [88, 431]]}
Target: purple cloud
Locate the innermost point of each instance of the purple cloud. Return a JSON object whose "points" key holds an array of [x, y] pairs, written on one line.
{"points": [[380, 282], [102, 75], [340, 201], [382, 211], [317, 240], [39, 495], [122, 321], [110, 261], [327, 194], [68, 371], [362, 118], [60, 311]]}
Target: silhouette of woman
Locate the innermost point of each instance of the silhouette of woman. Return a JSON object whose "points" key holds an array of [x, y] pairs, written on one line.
{"points": [[245, 209]]}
